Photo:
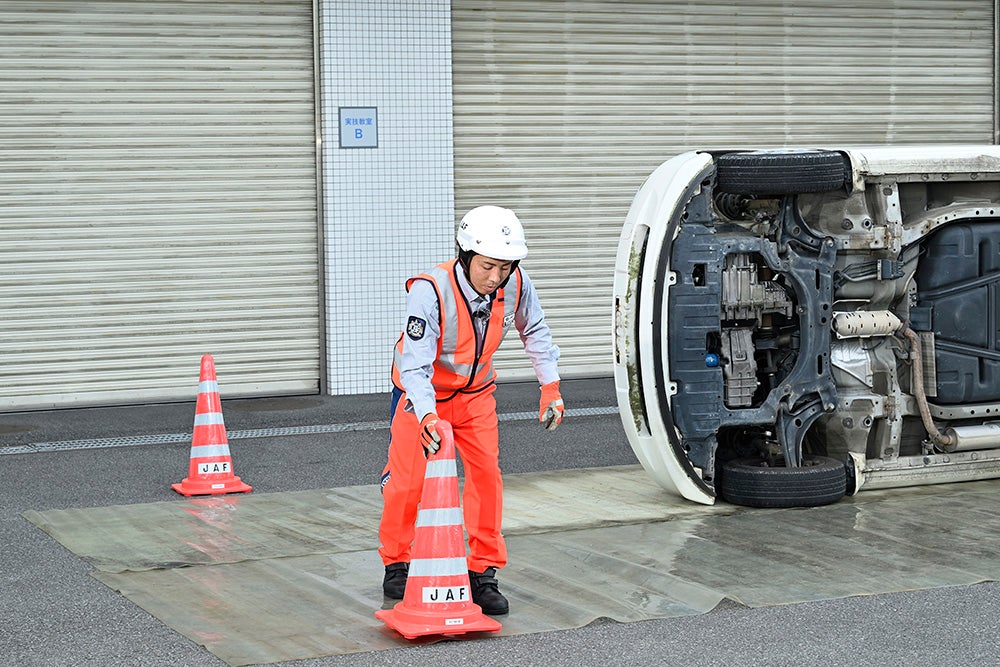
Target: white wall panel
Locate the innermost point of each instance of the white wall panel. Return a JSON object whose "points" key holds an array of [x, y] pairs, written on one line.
{"points": [[388, 211]]}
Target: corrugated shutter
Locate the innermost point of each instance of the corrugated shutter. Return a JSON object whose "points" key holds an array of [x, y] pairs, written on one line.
{"points": [[157, 200], [563, 108]]}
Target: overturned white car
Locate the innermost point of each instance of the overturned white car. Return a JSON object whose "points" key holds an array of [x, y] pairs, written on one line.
{"points": [[794, 325]]}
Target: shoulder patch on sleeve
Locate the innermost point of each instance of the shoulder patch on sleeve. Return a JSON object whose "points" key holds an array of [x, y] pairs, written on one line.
{"points": [[415, 327]]}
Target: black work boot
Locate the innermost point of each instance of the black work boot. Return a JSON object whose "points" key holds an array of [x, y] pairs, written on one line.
{"points": [[394, 584], [485, 592]]}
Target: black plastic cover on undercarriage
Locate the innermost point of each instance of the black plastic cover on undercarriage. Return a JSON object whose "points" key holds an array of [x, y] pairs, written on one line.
{"points": [[959, 300]]}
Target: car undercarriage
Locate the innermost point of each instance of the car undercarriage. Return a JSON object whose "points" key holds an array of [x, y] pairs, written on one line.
{"points": [[794, 325]]}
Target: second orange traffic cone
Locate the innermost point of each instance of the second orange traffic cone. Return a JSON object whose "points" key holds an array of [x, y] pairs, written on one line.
{"points": [[438, 598], [210, 470]]}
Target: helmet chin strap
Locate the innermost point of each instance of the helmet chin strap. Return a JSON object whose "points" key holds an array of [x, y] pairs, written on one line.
{"points": [[464, 258], [513, 268]]}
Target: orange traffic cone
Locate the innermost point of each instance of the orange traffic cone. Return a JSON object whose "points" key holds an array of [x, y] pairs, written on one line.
{"points": [[211, 468], [438, 598]]}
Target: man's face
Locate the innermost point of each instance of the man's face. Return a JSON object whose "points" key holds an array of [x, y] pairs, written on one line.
{"points": [[486, 273]]}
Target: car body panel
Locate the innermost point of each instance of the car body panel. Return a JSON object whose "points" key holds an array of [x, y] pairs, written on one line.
{"points": [[649, 225]]}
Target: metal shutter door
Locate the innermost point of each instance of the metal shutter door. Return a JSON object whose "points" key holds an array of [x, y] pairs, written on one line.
{"points": [[157, 200], [563, 108]]}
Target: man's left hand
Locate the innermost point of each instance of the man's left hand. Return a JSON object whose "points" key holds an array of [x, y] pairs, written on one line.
{"points": [[550, 409]]}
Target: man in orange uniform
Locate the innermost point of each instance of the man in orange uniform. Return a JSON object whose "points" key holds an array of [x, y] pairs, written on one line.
{"points": [[457, 314]]}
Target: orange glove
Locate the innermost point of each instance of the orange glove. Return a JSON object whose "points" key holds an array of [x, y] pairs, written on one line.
{"points": [[550, 409], [429, 437]]}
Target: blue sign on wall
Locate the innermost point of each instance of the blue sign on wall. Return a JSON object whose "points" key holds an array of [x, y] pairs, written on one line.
{"points": [[358, 127]]}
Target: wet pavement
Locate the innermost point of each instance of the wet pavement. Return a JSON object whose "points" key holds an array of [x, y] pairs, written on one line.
{"points": [[56, 611]]}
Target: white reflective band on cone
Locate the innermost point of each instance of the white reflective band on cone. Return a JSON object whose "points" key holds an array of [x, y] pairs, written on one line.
{"points": [[442, 468], [438, 567], [208, 387], [208, 418], [445, 516], [206, 451]]}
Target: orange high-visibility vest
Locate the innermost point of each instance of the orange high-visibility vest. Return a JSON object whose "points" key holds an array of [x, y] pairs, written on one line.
{"points": [[464, 363]]}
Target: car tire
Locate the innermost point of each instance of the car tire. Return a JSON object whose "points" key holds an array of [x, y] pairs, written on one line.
{"points": [[820, 480], [781, 172]]}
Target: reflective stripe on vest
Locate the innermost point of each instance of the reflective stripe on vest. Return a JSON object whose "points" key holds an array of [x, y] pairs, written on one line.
{"points": [[463, 362]]}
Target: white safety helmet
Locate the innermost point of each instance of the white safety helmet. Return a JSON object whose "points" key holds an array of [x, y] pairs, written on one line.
{"points": [[492, 231]]}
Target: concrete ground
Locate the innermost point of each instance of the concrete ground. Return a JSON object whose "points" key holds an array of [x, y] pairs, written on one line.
{"points": [[53, 612]]}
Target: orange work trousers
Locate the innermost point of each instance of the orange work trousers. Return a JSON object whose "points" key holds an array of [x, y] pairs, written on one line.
{"points": [[473, 418]]}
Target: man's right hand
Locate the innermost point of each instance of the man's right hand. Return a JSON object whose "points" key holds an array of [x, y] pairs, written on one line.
{"points": [[429, 437]]}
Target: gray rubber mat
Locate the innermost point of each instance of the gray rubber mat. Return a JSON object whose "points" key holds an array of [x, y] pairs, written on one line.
{"points": [[263, 578]]}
